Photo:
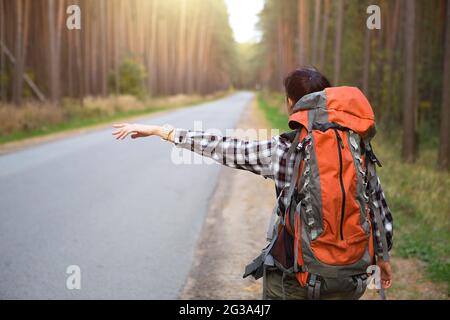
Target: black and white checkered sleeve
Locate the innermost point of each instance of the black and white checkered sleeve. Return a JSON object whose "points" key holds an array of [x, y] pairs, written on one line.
{"points": [[253, 155], [386, 218]]}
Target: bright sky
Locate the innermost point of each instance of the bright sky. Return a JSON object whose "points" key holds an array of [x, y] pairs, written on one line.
{"points": [[243, 16]]}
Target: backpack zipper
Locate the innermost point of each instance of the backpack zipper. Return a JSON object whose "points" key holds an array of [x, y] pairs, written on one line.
{"points": [[340, 145]]}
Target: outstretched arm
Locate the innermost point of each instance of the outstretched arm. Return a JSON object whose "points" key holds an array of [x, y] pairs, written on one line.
{"points": [[140, 131], [251, 155], [254, 156]]}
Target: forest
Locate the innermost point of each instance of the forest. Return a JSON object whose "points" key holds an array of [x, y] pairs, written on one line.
{"points": [[403, 67], [133, 57], [162, 48], [173, 54]]}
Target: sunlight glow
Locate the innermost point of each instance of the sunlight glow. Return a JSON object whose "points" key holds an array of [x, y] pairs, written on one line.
{"points": [[243, 16]]}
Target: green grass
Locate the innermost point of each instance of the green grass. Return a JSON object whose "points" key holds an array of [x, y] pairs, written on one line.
{"points": [[418, 195], [75, 123], [271, 105], [96, 118]]}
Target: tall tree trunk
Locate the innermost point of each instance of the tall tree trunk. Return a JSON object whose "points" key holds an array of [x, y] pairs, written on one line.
{"points": [[86, 34], [2, 55], [366, 68], [53, 52], [338, 41], [204, 67], [409, 106], [103, 45], [393, 44], [324, 35], [79, 63], [303, 17], [379, 73], [181, 43], [280, 47], [69, 65], [60, 26], [444, 142], [151, 62], [289, 49], [192, 44], [117, 48], [93, 54], [19, 65], [315, 36], [202, 48], [163, 60]]}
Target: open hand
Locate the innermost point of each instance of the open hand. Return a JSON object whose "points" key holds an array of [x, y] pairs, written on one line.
{"points": [[386, 273], [136, 130]]}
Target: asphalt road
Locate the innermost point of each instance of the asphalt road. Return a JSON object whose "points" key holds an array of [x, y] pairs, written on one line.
{"points": [[120, 210]]}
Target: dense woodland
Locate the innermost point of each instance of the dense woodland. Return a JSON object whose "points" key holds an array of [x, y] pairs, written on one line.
{"points": [[178, 45], [404, 67], [165, 47]]}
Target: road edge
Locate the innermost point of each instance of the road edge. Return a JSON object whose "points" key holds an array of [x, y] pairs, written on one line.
{"points": [[14, 146]]}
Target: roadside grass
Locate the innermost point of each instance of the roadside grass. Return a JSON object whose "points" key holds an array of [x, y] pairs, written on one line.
{"points": [[419, 197], [32, 120], [272, 104], [418, 194]]}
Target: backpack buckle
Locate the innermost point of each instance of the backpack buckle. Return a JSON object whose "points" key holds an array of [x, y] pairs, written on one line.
{"points": [[314, 284]]}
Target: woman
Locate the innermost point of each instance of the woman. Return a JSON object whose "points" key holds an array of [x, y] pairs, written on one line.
{"points": [[274, 159]]}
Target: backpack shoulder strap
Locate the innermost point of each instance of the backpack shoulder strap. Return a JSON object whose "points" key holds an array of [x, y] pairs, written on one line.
{"points": [[372, 180], [256, 267], [294, 145]]}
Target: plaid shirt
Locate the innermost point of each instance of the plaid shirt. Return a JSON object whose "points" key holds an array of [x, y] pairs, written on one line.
{"points": [[267, 158]]}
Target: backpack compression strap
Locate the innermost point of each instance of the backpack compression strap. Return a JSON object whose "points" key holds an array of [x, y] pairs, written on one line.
{"points": [[255, 268]]}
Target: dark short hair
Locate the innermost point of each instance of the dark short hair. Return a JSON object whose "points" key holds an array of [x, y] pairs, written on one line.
{"points": [[303, 81]]}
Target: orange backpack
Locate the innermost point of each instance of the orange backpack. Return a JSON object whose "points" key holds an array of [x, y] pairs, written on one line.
{"points": [[328, 219]]}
